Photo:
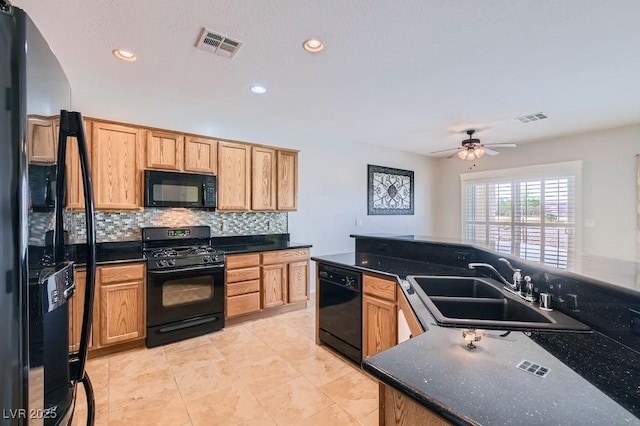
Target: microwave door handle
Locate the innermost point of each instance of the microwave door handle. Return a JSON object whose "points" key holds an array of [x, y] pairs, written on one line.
{"points": [[204, 194]]}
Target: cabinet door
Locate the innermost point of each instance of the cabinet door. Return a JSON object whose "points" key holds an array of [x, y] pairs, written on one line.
{"points": [[75, 192], [234, 176], [415, 328], [76, 311], [298, 281], [121, 312], [164, 150], [379, 325], [263, 178], [41, 140], [287, 180], [200, 155], [274, 285], [115, 164]]}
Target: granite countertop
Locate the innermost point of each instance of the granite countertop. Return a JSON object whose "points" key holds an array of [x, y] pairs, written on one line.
{"points": [[485, 386], [131, 251], [256, 247]]}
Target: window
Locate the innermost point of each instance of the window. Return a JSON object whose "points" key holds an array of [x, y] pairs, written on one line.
{"points": [[529, 212]]}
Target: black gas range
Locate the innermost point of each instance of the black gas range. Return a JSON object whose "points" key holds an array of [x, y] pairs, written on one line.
{"points": [[185, 283]]}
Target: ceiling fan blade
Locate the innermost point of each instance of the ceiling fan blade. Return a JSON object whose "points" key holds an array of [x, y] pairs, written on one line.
{"points": [[455, 153], [501, 145], [445, 150], [490, 151]]}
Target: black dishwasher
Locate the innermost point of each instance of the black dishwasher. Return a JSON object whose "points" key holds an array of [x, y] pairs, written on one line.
{"points": [[340, 301]]}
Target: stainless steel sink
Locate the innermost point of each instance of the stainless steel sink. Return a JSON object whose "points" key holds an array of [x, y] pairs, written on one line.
{"points": [[472, 302]]}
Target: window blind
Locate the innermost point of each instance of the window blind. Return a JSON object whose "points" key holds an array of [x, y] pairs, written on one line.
{"points": [[531, 215]]}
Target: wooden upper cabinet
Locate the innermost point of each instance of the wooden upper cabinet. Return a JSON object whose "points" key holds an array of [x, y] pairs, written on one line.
{"points": [[200, 155], [234, 176], [287, 180], [115, 163], [164, 150], [263, 178], [75, 190], [42, 140]]}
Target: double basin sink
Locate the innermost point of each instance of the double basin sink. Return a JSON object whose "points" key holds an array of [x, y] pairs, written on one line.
{"points": [[473, 302]]}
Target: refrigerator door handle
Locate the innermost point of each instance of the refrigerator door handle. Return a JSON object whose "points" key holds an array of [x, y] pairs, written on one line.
{"points": [[71, 125]]}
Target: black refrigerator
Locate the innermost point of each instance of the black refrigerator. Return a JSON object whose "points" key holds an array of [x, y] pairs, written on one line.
{"points": [[38, 373]]}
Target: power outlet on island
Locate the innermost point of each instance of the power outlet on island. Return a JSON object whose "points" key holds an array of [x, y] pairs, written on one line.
{"points": [[462, 256]]}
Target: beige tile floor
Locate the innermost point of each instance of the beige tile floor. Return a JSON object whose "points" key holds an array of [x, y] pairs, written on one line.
{"points": [[263, 372]]}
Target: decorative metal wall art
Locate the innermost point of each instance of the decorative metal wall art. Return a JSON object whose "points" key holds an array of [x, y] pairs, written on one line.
{"points": [[390, 191]]}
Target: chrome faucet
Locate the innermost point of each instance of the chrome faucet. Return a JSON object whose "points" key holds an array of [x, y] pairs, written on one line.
{"points": [[514, 287], [508, 285], [517, 276]]}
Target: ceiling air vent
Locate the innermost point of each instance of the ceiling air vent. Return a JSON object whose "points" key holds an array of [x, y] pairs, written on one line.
{"points": [[219, 44], [532, 117]]}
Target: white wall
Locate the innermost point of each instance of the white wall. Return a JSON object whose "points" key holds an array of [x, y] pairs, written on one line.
{"points": [[608, 184]]}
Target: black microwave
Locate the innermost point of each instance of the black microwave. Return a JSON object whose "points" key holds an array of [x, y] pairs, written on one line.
{"points": [[42, 186], [173, 189]]}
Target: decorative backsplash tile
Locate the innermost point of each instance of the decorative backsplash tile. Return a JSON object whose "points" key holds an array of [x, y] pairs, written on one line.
{"points": [[126, 226]]}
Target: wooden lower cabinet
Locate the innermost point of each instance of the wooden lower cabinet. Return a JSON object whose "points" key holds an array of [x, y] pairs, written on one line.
{"points": [[76, 311], [379, 315], [120, 304], [256, 282], [274, 285], [379, 325], [397, 408], [298, 281], [415, 328], [242, 284]]}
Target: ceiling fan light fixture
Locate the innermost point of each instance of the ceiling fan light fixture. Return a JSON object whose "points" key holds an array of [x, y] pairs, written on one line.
{"points": [[479, 152], [462, 154]]}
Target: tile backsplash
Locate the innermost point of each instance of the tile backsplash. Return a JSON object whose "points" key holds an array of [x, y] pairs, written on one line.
{"points": [[126, 226]]}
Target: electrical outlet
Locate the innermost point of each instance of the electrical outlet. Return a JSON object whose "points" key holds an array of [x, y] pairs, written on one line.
{"points": [[271, 225], [462, 256], [358, 222], [224, 226]]}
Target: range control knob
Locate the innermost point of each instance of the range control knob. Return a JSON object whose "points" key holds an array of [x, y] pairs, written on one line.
{"points": [[171, 262], [206, 259], [161, 263]]}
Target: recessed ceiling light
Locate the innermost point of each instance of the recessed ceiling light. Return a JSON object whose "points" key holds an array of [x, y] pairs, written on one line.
{"points": [[313, 45], [258, 89], [125, 55]]}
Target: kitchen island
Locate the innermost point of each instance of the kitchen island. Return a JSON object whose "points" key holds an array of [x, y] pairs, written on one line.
{"points": [[590, 378]]}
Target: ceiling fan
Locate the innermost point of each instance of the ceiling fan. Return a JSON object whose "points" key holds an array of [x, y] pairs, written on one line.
{"points": [[472, 148]]}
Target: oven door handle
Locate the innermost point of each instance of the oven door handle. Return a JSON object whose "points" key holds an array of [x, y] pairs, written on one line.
{"points": [[196, 269]]}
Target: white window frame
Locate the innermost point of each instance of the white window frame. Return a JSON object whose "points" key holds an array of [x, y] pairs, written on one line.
{"points": [[539, 171]]}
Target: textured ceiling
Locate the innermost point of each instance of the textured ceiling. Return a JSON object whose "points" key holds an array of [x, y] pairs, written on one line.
{"points": [[405, 74]]}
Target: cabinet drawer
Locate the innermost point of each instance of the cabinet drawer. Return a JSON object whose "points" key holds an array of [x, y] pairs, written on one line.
{"points": [[380, 287], [245, 274], [284, 256], [118, 274], [243, 287], [236, 261], [243, 304]]}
